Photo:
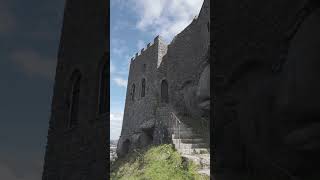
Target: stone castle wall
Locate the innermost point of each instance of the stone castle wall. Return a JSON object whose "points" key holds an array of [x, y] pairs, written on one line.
{"points": [[142, 109], [179, 63], [186, 59]]}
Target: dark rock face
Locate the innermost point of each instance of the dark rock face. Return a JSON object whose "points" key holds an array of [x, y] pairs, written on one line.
{"points": [[266, 73]]}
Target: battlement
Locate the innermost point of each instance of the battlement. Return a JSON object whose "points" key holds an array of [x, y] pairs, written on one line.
{"points": [[155, 40]]}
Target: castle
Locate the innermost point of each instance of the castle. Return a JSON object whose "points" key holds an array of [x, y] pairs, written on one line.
{"points": [[165, 80], [169, 84]]}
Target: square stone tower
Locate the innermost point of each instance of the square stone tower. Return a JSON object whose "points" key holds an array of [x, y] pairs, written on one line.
{"points": [[142, 97], [77, 136]]}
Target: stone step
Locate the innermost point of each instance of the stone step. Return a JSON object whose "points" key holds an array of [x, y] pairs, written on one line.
{"points": [[185, 136], [189, 140], [203, 160], [184, 126], [182, 130], [191, 145], [191, 151]]}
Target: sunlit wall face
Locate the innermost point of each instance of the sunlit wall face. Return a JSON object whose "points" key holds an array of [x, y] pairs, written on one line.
{"points": [[134, 24]]}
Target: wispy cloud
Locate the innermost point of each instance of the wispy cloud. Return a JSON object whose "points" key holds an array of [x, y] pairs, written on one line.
{"points": [[119, 3], [119, 47], [165, 17], [119, 53], [122, 25], [120, 82], [116, 116], [120, 70], [112, 68], [34, 64], [115, 124]]}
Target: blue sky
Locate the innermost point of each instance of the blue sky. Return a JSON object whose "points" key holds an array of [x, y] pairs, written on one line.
{"points": [[135, 23]]}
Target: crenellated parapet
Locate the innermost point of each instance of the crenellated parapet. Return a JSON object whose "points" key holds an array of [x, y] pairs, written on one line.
{"points": [[156, 40]]}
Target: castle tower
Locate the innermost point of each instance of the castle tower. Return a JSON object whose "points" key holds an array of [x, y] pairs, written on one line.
{"points": [[77, 136], [142, 97]]}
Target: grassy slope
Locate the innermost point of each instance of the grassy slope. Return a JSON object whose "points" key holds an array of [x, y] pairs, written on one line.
{"points": [[156, 163]]}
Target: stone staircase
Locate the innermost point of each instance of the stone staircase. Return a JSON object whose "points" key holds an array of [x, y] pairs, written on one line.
{"points": [[191, 146]]}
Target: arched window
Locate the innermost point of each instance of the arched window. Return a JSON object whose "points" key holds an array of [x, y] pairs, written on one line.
{"points": [[103, 89], [133, 88], [143, 87], [144, 68], [164, 91], [74, 95]]}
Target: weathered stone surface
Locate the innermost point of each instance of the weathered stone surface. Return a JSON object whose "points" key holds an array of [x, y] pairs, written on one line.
{"points": [[148, 124]]}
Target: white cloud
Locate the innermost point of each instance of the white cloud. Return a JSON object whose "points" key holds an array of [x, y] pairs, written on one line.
{"points": [[112, 67], [119, 47], [116, 116], [122, 25], [128, 59], [166, 17], [120, 81], [32, 63], [119, 3], [116, 68], [115, 124]]}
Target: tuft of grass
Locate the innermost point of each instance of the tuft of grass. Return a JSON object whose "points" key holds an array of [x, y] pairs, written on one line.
{"points": [[155, 163]]}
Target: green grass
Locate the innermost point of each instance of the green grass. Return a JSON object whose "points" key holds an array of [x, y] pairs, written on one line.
{"points": [[155, 163]]}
